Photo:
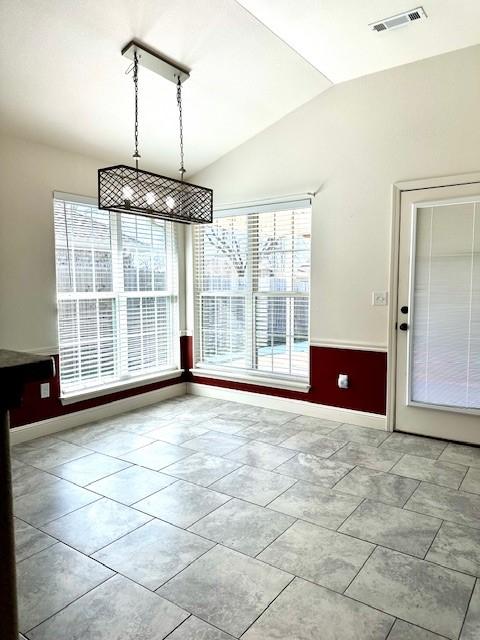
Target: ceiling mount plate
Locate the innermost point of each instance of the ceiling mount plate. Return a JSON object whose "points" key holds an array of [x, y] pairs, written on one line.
{"points": [[156, 62]]}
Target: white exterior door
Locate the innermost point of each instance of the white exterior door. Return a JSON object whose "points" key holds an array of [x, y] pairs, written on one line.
{"points": [[438, 319]]}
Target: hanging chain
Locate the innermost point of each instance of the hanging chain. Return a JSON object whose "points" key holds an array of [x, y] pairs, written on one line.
{"points": [[180, 122], [136, 155]]}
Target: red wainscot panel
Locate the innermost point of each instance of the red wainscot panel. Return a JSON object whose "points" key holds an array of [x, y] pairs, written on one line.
{"points": [[35, 408], [186, 353], [366, 370], [367, 373]]}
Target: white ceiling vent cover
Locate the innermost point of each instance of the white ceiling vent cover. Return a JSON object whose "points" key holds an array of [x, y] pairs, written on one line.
{"points": [[400, 20]]}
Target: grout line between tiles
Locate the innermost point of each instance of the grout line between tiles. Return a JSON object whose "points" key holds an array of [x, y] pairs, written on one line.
{"points": [[70, 603], [267, 505], [296, 452], [169, 635], [154, 590], [85, 486], [295, 520], [268, 606], [38, 525], [433, 539], [374, 546], [349, 515], [477, 581]]}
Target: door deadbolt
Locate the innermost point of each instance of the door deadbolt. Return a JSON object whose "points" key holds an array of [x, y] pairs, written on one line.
{"points": [[403, 326], [404, 309]]}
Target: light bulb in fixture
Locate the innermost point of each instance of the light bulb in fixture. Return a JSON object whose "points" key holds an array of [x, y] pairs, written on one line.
{"points": [[150, 198], [127, 193], [170, 202]]}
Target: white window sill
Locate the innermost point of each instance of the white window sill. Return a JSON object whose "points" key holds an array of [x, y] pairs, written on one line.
{"points": [[249, 378], [131, 383]]}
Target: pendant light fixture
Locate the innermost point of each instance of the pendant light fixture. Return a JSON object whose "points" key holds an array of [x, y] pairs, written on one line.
{"points": [[132, 190]]}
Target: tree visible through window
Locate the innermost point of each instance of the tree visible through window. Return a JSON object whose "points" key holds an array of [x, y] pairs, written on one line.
{"points": [[252, 280]]}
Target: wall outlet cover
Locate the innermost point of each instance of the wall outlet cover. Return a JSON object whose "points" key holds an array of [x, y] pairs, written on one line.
{"points": [[45, 390], [342, 381]]}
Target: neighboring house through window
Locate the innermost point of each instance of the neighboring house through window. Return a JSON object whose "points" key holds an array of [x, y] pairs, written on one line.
{"points": [[117, 296]]}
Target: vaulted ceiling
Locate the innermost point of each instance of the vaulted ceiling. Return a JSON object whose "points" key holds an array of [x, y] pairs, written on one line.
{"points": [[63, 81], [335, 37]]}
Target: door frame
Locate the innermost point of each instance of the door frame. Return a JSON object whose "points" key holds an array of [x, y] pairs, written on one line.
{"points": [[397, 189]]}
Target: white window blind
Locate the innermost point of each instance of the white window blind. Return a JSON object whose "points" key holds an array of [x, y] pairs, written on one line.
{"points": [[252, 285], [117, 296], [445, 354]]}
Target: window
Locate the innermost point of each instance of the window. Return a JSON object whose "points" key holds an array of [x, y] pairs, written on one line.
{"points": [[445, 309], [252, 283], [117, 296]]}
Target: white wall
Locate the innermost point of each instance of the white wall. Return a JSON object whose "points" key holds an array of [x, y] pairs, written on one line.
{"points": [[29, 173], [355, 141]]}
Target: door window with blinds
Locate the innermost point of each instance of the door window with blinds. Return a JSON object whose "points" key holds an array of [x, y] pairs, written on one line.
{"points": [[445, 303], [117, 296], [252, 288]]}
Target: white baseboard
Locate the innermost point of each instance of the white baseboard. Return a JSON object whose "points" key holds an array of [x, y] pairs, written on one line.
{"points": [[77, 418], [302, 407]]}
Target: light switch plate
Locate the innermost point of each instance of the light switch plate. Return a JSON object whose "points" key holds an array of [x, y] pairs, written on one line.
{"points": [[379, 298]]}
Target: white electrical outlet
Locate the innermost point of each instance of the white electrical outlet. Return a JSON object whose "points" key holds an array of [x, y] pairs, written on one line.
{"points": [[379, 298], [342, 381], [45, 390]]}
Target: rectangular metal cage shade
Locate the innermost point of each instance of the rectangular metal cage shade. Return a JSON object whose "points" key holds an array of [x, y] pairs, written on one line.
{"points": [[130, 190]]}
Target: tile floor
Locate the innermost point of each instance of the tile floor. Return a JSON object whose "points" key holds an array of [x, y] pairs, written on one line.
{"points": [[199, 519]]}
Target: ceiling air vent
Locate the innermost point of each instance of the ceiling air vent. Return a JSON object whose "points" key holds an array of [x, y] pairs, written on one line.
{"points": [[400, 20]]}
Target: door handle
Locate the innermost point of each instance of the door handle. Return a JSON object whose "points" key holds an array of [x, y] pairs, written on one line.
{"points": [[403, 326]]}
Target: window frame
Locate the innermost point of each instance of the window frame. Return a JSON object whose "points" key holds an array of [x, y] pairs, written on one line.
{"points": [[251, 295], [121, 295]]}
